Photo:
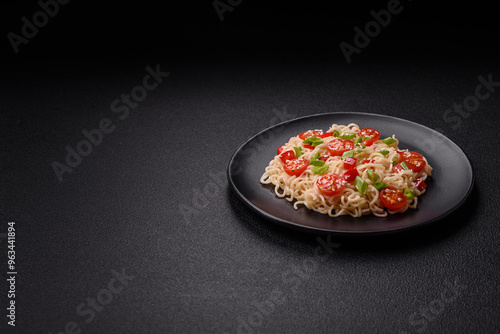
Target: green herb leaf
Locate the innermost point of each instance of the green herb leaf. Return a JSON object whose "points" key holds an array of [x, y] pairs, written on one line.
{"points": [[363, 146], [394, 162], [298, 151], [319, 170], [347, 135], [410, 194], [317, 142], [316, 162], [348, 154], [361, 185], [388, 141], [316, 156], [336, 133], [361, 139], [383, 152], [380, 185], [372, 175], [405, 167], [311, 139]]}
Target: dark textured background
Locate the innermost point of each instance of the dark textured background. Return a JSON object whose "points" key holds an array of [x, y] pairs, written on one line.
{"points": [[204, 271]]}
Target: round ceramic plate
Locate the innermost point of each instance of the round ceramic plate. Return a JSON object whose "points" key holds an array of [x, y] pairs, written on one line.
{"points": [[447, 189]]}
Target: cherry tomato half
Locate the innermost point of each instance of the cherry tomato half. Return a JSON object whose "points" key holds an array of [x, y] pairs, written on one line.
{"points": [[330, 184], [350, 175], [415, 161], [280, 149], [337, 147], [369, 132], [309, 146], [287, 155], [392, 198], [296, 166], [327, 134], [311, 133], [350, 163]]}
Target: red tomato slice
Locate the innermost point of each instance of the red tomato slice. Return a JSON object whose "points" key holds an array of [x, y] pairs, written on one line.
{"points": [[280, 149], [287, 155], [350, 175], [311, 133], [420, 184], [327, 134], [296, 166], [309, 146], [392, 198], [337, 147], [350, 163], [369, 132], [330, 184], [415, 161], [324, 157], [397, 168], [368, 142]]}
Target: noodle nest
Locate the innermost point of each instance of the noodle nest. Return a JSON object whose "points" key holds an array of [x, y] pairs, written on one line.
{"points": [[349, 201]]}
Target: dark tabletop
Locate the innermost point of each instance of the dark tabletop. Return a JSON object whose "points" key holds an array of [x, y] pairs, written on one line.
{"points": [[142, 233]]}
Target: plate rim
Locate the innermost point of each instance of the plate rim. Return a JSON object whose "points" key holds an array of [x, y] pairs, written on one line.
{"points": [[310, 229]]}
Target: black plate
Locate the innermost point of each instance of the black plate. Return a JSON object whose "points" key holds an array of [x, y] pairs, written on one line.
{"points": [[447, 189]]}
